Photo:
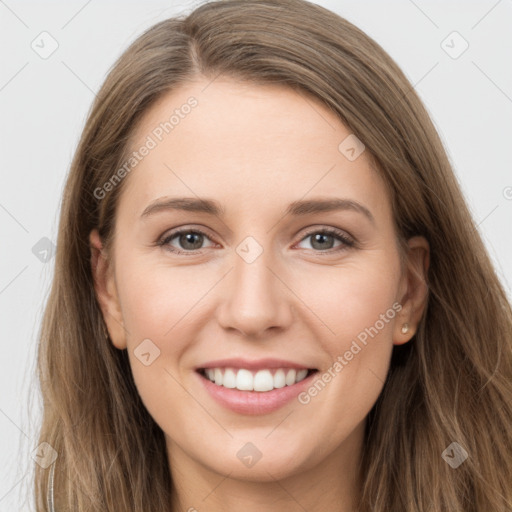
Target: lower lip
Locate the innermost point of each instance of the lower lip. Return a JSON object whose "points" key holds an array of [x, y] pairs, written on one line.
{"points": [[254, 402]]}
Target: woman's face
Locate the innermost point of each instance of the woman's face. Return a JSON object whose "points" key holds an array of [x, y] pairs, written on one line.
{"points": [[277, 278]]}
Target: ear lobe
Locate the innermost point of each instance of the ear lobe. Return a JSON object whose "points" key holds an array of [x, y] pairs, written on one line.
{"points": [[415, 297], [106, 291]]}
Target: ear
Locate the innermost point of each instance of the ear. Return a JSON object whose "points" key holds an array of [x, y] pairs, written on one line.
{"points": [[106, 291], [413, 290]]}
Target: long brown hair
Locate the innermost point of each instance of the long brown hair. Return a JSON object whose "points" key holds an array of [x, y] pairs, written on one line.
{"points": [[450, 383]]}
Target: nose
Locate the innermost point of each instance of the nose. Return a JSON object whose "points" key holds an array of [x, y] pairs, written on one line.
{"points": [[255, 298]]}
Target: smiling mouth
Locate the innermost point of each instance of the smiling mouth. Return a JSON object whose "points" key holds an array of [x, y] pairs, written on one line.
{"points": [[255, 380]]}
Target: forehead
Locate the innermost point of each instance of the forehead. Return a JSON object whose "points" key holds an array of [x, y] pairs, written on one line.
{"points": [[250, 147]]}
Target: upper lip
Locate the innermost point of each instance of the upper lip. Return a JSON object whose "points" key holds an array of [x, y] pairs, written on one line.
{"points": [[256, 364]]}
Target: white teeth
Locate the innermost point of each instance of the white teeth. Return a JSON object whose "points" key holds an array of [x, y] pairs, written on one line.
{"points": [[301, 374], [262, 380], [229, 378], [279, 379], [244, 380], [290, 377]]}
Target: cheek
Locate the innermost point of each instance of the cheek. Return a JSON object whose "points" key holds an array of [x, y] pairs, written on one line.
{"points": [[357, 306], [156, 304], [155, 299], [361, 311], [349, 299], [159, 301]]}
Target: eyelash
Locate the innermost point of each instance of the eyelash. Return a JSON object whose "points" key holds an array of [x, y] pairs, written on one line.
{"points": [[346, 241]]}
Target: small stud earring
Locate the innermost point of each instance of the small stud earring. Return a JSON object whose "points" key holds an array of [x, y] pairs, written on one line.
{"points": [[405, 328]]}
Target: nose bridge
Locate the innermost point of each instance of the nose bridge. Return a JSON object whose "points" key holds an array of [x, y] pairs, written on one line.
{"points": [[255, 298]]}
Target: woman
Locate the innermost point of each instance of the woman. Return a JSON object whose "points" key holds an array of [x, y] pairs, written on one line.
{"points": [[261, 368]]}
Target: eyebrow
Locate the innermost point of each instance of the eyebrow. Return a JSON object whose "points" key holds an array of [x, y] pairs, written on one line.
{"points": [[296, 208]]}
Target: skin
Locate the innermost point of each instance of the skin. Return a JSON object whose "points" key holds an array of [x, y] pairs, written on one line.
{"points": [[255, 149]]}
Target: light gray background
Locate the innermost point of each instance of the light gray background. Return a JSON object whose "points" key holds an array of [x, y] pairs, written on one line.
{"points": [[43, 104]]}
